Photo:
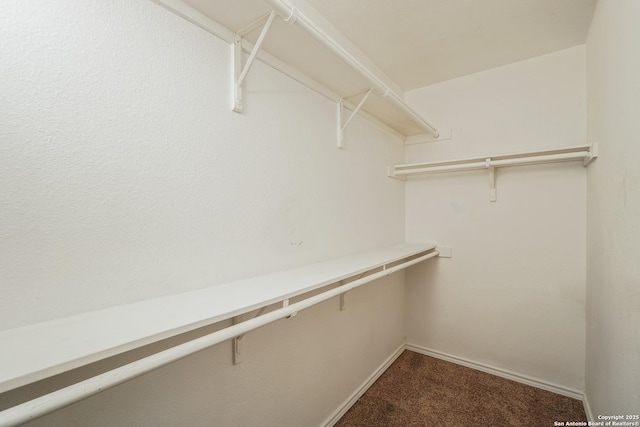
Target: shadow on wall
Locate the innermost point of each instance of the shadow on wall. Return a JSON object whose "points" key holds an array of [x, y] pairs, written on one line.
{"points": [[421, 290]]}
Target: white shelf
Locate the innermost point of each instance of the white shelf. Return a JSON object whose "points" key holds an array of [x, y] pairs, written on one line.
{"points": [[38, 351], [312, 52], [584, 153]]}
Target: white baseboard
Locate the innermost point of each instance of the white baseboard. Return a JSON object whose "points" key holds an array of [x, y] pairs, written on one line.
{"points": [[351, 400], [587, 408], [534, 382], [524, 379]]}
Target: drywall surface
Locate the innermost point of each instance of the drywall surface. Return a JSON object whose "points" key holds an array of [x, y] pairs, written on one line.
{"points": [[513, 295], [125, 175], [613, 229]]}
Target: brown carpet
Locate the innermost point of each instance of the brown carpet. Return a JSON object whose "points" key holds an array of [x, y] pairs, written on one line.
{"points": [[419, 390]]}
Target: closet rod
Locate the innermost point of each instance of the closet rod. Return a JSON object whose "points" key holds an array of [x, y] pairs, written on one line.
{"points": [[586, 153], [293, 16], [59, 399]]}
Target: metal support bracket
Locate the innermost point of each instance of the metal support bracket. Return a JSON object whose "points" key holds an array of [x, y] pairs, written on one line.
{"points": [[390, 174], [492, 180], [343, 303], [236, 343], [593, 154], [240, 71], [285, 303], [444, 135], [342, 126], [444, 251]]}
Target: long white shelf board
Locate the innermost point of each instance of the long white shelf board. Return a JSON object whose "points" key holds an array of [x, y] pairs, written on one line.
{"points": [[41, 350], [300, 55]]}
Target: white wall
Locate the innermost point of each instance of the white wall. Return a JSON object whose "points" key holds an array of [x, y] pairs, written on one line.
{"points": [[513, 295], [613, 275], [126, 176]]}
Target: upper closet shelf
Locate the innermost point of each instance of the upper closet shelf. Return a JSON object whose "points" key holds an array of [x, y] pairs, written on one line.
{"points": [[304, 46]]}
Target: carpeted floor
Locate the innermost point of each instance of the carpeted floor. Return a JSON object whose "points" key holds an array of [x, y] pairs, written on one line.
{"points": [[419, 390]]}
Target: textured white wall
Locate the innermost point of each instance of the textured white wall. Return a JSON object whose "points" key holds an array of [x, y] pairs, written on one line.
{"points": [[513, 295], [613, 236], [125, 175]]}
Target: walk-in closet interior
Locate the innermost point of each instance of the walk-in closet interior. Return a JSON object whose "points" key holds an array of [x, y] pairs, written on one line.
{"points": [[241, 213]]}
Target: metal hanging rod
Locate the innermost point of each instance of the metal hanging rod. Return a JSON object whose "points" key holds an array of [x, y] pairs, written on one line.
{"points": [[58, 399]]}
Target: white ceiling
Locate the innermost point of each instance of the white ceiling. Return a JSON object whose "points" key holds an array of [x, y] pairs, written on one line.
{"points": [[416, 42], [419, 42]]}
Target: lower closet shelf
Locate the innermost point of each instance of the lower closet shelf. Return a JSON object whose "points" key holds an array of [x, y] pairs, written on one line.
{"points": [[41, 350]]}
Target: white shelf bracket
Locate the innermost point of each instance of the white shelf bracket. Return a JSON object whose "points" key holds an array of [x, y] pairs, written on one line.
{"points": [[391, 174], [236, 343], [340, 135], [239, 71], [292, 17], [592, 154], [492, 180], [444, 251], [343, 303], [342, 126], [285, 303]]}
